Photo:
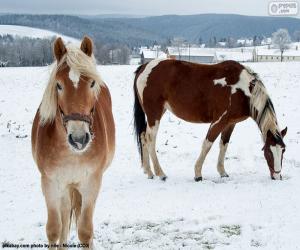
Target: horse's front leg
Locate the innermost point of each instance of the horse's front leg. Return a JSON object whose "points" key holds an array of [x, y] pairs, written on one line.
{"points": [[89, 190], [52, 197]]}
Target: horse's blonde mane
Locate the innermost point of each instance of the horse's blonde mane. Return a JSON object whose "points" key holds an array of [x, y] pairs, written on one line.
{"points": [[77, 60], [261, 107]]}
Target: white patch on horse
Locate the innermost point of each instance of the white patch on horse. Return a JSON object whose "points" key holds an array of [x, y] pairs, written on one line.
{"points": [[141, 82], [221, 81], [74, 76], [199, 163], [277, 154], [223, 149], [243, 83], [220, 118], [69, 173], [168, 107]]}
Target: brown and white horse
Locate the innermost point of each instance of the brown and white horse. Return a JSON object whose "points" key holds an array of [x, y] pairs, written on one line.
{"points": [[73, 141], [221, 94]]}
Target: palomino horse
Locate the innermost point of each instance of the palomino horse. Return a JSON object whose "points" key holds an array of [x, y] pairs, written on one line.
{"points": [[73, 141], [222, 95]]}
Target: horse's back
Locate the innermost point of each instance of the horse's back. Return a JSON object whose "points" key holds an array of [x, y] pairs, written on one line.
{"points": [[193, 92]]}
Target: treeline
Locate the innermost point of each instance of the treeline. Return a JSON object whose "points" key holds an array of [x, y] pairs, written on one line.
{"points": [[26, 51]]}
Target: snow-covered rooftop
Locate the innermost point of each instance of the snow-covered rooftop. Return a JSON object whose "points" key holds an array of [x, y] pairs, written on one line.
{"points": [[192, 51], [148, 53]]}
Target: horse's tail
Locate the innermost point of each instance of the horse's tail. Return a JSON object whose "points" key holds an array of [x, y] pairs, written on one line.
{"points": [[140, 123], [76, 203]]}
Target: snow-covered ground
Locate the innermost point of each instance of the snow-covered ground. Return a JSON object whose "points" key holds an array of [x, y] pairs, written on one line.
{"points": [[24, 31], [245, 211]]}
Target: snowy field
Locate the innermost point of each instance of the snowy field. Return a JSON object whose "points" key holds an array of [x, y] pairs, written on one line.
{"points": [[245, 211], [24, 31]]}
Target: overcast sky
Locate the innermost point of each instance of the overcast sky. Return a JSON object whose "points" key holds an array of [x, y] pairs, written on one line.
{"points": [[136, 7]]}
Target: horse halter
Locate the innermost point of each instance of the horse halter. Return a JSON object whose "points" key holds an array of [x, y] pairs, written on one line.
{"points": [[78, 117]]}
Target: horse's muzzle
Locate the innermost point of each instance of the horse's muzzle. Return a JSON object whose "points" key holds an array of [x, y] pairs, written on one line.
{"points": [[79, 142]]}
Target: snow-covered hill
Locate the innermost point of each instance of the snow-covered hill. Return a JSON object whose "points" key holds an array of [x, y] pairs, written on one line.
{"points": [[24, 31], [245, 211]]}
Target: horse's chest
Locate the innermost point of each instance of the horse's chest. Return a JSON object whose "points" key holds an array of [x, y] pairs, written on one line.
{"points": [[73, 174]]}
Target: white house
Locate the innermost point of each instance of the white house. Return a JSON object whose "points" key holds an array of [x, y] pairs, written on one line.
{"points": [[245, 42]]}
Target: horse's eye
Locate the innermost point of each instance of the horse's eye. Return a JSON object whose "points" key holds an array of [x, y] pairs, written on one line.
{"points": [[93, 84], [58, 86]]}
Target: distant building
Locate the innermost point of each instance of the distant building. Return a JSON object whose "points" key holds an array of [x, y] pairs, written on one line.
{"points": [[221, 44], [273, 55], [266, 41], [191, 54], [148, 55], [245, 42], [135, 59]]}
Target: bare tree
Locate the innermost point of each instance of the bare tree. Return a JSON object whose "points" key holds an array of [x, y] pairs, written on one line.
{"points": [[231, 42], [281, 39], [297, 35]]}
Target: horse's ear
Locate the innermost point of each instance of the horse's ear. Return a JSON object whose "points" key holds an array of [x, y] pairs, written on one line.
{"points": [[283, 132], [87, 46], [59, 49]]}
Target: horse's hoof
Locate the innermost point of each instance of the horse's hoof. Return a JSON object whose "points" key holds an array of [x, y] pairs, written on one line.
{"points": [[224, 175], [197, 179], [163, 178], [151, 177], [276, 177]]}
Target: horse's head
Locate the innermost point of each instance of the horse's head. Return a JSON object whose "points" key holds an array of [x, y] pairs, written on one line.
{"points": [[76, 91], [273, 150]]}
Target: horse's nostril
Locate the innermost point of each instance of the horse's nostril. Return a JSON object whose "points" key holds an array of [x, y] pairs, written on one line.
{"points": [[70, 139], [86, 139]]}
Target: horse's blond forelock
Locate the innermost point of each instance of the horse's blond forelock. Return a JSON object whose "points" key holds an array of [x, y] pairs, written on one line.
{"points": [[77, 60]]}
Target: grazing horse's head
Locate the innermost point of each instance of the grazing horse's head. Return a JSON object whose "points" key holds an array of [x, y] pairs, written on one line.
{"points": [[273, 150], [72, 92]]}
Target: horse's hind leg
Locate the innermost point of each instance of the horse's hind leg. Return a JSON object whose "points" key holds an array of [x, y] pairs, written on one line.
{"points": [[151, 134], [225, 137], [145, 157]]}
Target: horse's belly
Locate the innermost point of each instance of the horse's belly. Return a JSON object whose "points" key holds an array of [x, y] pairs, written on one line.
{"points": [[189, 113]]}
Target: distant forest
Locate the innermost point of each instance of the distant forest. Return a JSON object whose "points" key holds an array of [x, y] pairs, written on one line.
{"points": [[25, 51]]}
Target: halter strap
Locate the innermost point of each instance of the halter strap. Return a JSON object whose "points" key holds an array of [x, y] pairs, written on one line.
{"points": [[77, 117]]}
